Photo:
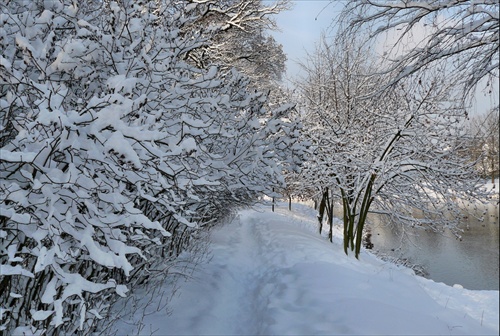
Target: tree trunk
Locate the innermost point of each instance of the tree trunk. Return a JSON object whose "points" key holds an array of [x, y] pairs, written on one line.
{"points": [[492, 170], [272, 207], [363, 213], [330, 220], [322, 206]]}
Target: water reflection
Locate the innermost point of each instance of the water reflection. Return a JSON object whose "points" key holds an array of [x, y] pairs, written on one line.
{"points": [[472, 262]]}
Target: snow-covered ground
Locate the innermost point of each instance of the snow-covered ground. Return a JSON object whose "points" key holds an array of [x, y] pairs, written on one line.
{"points": [[495, 187], [271, 273]]}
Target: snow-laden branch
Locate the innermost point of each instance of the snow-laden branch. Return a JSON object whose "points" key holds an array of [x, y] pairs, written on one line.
{"points": [[393, 153], [464, 34], [118, 151]]}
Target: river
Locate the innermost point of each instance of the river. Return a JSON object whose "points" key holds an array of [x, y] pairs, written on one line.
{"points": [[472, 262]]}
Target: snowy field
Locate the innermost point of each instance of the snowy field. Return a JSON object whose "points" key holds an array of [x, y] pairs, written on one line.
{"points": [[271, 273]]}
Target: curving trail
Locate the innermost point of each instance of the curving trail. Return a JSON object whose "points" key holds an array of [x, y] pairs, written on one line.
{"points": [[270, 273]]}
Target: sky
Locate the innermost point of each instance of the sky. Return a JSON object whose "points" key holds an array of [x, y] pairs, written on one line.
{"points": [[301, 28]]}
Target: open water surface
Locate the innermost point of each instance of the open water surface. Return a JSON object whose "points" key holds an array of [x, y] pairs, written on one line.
{"points": [[472, 262]]}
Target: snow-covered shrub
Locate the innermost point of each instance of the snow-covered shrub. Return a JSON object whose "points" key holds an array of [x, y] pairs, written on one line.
{"points": [[115, 151]]}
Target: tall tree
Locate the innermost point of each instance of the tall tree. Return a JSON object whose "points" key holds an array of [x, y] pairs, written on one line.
{"points": [[391, 154], [242, 38]]}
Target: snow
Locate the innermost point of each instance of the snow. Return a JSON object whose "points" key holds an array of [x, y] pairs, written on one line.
{"points": [[493, 187], [271, 273], [16, 156], [118, 144], [50, 292], [121, 82], [41, 315], [14, 270], [11, 252]]}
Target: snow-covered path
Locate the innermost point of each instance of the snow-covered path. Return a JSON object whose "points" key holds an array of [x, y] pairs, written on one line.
{"points": [[271, 273]]}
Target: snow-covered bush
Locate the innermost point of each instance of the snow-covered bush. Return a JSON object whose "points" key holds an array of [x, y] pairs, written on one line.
{"points": [[115, 150]]}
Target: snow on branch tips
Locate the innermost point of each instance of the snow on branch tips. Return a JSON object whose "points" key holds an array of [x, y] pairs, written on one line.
{"points": [[463, 35], [395, 153], [116, 150]]}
